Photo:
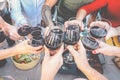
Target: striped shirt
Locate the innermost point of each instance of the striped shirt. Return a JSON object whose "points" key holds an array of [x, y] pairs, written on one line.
{"points": [[26, 11]]}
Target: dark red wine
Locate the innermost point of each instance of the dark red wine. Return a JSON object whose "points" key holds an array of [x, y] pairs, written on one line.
{"points": [[2, 36], [72, 35], [54, 39], [98, 32], [24, 31], [36, 33], [90, 43], [37, 41], [36, 28]]}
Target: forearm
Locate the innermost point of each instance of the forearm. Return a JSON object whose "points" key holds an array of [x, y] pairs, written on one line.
{"points": [[118, 31], [46, 15], [5, 53], [81, 14], [91, 73], [115, 51]]}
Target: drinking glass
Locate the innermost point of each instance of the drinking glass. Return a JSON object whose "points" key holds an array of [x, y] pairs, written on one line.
{"points": [[71, 37], [89, 43], [99, 31], [54, 37], [24, 30], [37, 38]]}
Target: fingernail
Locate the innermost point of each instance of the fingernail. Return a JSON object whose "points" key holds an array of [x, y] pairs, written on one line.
{"points": [[94, 52]]}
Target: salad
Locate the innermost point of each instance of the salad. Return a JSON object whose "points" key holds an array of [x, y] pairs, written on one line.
{"points": [[26, 58]]}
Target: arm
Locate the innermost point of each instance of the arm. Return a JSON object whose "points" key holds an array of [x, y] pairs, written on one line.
{"points": [[54, 62], [91, 73], [16, 12], [107, 49], [81, 61], [21, 48], [89, 8], [46, 11]]}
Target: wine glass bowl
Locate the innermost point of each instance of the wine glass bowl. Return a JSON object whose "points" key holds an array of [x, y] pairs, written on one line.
{"points": [[24, 30], [72, 34], [37, 38], [98, 32], [54, 38], [89, 43]]}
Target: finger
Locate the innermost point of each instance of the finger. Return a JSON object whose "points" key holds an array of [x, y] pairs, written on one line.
{"points": [[46, 31], [66, 24], [72, 50], [100, 50], [97, 23], [81, 25], [47, 52]]}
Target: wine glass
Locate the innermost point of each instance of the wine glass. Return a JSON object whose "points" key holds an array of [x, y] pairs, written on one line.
{"points": [[54, 37], [37, 38], [71, 37], [90, 43], [99, 31], [72, 34], [24, 30]]}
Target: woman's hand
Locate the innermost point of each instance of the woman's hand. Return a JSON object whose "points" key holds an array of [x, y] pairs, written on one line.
{"points": [[51, 64], [79, 55], [25, 48]]}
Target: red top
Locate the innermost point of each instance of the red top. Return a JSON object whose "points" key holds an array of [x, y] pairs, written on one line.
{"points": [[111, 10]]}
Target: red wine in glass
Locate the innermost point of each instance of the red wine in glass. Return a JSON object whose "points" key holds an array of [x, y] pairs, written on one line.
{"points": [[24, 31], [98, 32], [72, 35], [2, 36], [37, 38], [89, 43], [54, 39]]}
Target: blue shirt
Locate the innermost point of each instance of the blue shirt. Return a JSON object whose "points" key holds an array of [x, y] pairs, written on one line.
{"points": [[26, 11]]}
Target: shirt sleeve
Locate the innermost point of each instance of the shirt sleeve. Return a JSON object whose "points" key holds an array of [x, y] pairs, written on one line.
{"points": [[16, 13], [95, 5]]}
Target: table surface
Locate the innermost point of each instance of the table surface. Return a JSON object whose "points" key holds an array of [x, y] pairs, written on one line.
{"points": [[110, 71]]}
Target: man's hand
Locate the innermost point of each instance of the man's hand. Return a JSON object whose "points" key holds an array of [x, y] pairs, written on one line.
{"points": [[51, 64]]}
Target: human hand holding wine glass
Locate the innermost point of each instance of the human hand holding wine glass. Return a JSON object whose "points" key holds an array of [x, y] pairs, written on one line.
{"points": [[100, 29], [54, 37]]}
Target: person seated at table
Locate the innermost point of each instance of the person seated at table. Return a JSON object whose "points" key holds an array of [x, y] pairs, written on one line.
{"points": [[25, 12], [55, 62], [9, 30], [66, 9]]}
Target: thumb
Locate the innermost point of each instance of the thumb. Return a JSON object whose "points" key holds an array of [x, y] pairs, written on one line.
{"points": [[72, 50], [100, 50]]}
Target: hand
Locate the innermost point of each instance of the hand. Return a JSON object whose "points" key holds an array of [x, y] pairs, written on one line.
{"points": [[104, 49], [111, 31], [11, 31], [25, 48], [74, 22], [79, 55], [53, 62]]}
